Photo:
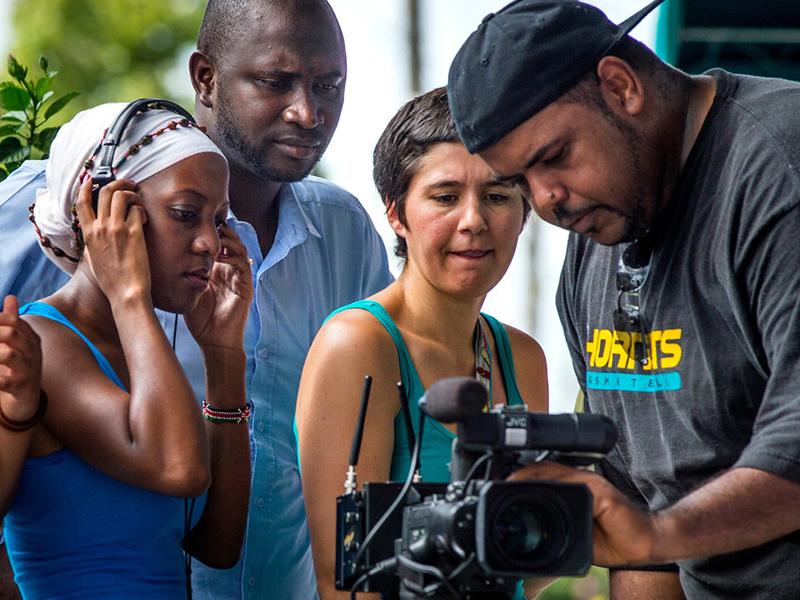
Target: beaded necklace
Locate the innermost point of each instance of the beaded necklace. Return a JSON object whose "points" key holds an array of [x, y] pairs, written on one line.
{"points": [[483, 362]]}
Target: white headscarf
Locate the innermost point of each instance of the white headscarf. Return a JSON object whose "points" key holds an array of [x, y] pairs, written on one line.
{"points": [[76, 143]]}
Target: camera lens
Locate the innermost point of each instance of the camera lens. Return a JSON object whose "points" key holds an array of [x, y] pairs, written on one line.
{"points": [[528, 529], [519, 529]]}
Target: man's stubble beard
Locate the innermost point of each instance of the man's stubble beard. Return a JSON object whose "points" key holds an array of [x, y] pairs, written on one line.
{"points": [[249, 157], [637, 220]]}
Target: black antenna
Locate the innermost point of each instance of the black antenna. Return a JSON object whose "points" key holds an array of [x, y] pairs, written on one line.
{"points": [[401, 393], [355, 450]]}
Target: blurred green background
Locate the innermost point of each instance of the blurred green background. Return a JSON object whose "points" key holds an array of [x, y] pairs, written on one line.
{"points": [[114, 50]]}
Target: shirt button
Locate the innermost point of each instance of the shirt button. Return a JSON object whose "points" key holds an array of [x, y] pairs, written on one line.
{"points": [[260, 426], [251, 581], [260, 502], [263, 352]]}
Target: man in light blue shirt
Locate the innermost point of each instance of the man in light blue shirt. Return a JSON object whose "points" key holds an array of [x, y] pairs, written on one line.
{"points": [[269, 79]]}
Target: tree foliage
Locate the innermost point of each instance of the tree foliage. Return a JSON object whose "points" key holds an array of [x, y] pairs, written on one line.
{"points": [[113, 50], [27, 102]]}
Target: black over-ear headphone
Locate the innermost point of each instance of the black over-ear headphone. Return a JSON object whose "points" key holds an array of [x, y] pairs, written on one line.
{"points": [[105, 169]]}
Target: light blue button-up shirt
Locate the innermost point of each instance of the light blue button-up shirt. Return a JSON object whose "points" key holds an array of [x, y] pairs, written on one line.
{"points": [[326, 254], [24, 270]]}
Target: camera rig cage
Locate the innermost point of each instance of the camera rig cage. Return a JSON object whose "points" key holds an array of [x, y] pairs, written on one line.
{"points": [[476, 536]]}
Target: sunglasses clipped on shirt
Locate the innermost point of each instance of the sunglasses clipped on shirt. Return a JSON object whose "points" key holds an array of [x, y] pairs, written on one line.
{"points": [[630, 326]]}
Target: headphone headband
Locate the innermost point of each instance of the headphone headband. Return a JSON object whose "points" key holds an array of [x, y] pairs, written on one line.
{"points": [[105, 171]]}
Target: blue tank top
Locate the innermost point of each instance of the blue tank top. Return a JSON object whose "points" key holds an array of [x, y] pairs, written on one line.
{"points": [[76, 533], [436, 439]]}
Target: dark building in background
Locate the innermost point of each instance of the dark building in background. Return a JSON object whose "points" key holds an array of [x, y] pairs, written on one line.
{"points": [[759, 37]]}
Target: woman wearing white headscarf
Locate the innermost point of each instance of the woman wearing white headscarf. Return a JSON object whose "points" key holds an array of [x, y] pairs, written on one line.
{"points": [[100, 509]]}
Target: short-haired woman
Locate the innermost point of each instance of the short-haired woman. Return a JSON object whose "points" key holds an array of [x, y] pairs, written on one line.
{"points": [[457, 229]]}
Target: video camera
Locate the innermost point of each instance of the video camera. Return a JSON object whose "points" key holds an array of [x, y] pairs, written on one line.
{"points": [[476, 536]]}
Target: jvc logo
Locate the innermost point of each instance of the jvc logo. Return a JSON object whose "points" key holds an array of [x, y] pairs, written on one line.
{"points": [[516, 421]]}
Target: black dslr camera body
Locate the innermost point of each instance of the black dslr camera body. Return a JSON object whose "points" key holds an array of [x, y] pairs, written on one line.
{"points": [[476, 536]]}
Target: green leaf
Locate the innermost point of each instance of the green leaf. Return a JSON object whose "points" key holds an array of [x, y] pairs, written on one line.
{"points": [[16, 70], [42, 86], [16, 116], [44, 138], [20, 157], [6, 130], [12, 150], [13, 97], [43, 63], [10, 167], [57, 105], [9, 146]]}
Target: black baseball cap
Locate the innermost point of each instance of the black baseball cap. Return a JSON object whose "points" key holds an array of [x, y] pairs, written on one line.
{"points": [[522, 58]]}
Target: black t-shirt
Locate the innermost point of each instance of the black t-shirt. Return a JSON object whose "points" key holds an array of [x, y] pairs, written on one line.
{"points": [[722, 301]]}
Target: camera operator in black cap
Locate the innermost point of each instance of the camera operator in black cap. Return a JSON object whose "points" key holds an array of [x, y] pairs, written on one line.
{"points": [[680, 291]]}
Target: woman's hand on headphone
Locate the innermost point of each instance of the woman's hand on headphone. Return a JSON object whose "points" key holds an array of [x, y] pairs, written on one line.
{"points": [[114, 240], [220, 315]]}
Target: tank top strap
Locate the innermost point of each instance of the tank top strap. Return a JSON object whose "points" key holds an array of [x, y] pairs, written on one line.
{"points": [[408, 372], [47, 311], [505, 358]]}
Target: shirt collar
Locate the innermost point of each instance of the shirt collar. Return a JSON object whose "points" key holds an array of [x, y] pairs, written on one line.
{"points": [[291, 213], [294, 227]]}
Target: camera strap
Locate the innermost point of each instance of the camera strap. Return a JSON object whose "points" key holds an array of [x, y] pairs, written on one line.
{"points": [[483, 361]]}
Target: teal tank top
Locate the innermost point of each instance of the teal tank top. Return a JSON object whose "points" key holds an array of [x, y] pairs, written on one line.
{"points": [[437, 439]]}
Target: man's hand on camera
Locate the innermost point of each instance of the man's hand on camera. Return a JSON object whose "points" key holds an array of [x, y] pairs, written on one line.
{"points": [[623, 534]]}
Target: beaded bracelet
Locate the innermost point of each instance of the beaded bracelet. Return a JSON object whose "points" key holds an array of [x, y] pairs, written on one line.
{"points": [[14, 425], [226, 415]]}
